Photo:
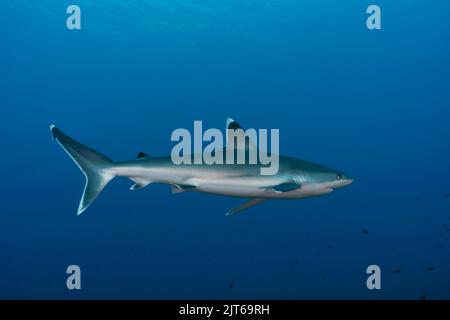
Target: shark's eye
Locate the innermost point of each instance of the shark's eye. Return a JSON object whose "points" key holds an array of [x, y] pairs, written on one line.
{"points": [[339, 177]]}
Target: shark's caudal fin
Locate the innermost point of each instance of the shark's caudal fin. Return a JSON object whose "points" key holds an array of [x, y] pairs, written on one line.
{"points": [[93, 164]]}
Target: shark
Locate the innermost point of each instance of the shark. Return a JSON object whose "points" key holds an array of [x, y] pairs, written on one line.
{"points": [[295, 179]]}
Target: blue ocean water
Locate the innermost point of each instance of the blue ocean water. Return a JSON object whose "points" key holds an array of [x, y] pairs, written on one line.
{"points": [[374, 104]]}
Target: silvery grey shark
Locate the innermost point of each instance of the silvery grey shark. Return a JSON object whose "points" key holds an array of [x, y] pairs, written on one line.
{"points": [[296, 178]]}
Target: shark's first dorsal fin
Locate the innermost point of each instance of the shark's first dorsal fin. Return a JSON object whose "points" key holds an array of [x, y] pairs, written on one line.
{"points": [[142, 155], [234, 130]]}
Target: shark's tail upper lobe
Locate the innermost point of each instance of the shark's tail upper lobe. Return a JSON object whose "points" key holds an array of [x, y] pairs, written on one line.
{"points": [[93, 164]]}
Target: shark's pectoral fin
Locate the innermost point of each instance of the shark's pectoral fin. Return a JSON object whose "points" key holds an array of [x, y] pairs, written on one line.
{"points": [[283, 187], [139, 183], [178, 188], [245, 205]]}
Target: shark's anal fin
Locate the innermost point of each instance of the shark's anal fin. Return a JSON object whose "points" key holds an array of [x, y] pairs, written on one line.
{"points": [[283, 187], [139, 183], [245, 205], [178, 188]]}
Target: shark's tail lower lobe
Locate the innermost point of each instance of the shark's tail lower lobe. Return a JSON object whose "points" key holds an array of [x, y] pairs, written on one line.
{"points": [[93, 164]]}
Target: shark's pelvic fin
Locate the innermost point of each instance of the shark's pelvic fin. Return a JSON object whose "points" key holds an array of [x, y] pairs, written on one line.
{"points": [[139, 183], [178, 188], [245, 205], [94, 165]]}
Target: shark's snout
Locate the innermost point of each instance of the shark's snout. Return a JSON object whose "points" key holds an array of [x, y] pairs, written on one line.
{"points": [[342, 181], [348, 180]]}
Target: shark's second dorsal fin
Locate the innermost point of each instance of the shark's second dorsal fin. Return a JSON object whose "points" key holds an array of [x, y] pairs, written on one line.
{"points": [[234, 130], [142, 155]]}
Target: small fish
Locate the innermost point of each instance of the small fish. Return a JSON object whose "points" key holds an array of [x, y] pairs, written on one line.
{"points": [[431, 269], [447, 195], [330, 246], [365, 231], [323, 278], [444, 225], [440, 245], [396, 271], [296, 261], [231, 285], [422, 298]]}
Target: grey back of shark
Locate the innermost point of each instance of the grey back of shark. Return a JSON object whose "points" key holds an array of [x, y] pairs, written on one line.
{"points": [[295, 178]]}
